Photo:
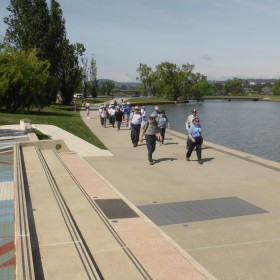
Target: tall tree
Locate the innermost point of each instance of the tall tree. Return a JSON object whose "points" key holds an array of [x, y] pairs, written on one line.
{"points": [[148, 78], [93, 77], [71, 72], [32, 25], [28, 25]]}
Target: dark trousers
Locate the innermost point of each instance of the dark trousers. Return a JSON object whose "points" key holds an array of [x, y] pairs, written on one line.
{"points": [[103, 121], [112, 120], [151, 145], [197, 145], [135, 132], [119, 124], [162, 133]]}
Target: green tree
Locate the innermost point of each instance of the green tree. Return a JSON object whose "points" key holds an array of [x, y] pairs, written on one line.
{"points": [[106, 88], [24, 80], [93, 78], [32, 25], [71, 72], [168, 80], [201, 88], [233, 87], [28, 25], [148, 78], [276, 88]]}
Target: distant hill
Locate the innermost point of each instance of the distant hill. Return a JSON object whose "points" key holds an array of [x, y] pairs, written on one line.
{"points": [[128, 85]]}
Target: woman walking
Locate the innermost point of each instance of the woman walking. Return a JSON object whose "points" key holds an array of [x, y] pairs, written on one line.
{"points": [[195, 140]]}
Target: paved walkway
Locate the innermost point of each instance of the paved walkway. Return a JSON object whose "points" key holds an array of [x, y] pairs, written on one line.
{"points": [[224, 214]]}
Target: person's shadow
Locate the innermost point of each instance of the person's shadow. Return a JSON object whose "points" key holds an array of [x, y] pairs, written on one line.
{"points": [[164, 159], [206, 159]]}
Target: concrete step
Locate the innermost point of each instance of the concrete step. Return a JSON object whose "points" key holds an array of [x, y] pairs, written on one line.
{"points": [[58, 252], [70, 238]]}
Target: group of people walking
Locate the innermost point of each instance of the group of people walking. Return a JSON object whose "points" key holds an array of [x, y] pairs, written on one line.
{"points": [[152, 128]]}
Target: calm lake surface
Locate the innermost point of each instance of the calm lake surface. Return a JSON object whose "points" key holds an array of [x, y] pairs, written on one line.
{"points": [[249, 126]]}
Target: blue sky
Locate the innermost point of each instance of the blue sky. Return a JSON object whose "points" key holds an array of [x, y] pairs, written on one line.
{"points": [[222, 38]]}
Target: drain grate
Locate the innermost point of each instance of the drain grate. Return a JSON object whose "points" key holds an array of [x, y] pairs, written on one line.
{"points": [[115, 208], [199, 210]]}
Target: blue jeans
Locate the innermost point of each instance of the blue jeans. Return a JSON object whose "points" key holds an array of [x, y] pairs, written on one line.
{"points": [[151, 145]]}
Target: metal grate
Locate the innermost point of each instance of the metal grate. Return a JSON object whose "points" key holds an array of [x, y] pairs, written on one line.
{"points": [[115, 208], [199, 210]]}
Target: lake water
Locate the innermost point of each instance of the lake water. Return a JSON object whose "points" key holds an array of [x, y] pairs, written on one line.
{"points": [[249, 126]]}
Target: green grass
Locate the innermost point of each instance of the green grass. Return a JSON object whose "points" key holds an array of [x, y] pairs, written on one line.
{"points": [[58, 115], [40, 135]]}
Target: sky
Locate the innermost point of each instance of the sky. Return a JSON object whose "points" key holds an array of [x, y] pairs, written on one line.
{"points": [[221, 38]]}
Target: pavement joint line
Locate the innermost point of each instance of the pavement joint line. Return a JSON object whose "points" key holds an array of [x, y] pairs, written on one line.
{"points": [[57, 244], [234, 244]]}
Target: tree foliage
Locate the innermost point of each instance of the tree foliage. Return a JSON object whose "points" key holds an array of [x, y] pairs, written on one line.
{"points": [[233, 87], [24, 80], [31, 24], [106, 87], [93, 78], [276, 88], [172, 81]]}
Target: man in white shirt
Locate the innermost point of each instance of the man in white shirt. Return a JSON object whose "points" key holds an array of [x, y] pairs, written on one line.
{"points": [[189, 122], [135, 121]]}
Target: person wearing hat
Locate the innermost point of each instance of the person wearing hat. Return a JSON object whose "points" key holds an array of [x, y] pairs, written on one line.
{"points": [[190, 118], [189, 123], [119, 117], [196, 140], [135, 121], [162, 121], [151, 131], [156, 112]]}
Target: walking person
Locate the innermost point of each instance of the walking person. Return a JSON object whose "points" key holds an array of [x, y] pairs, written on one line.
{"points": [[126, 111], [87, 107], [189, 122], [195, 140], [119, 117], [162, 121], [135, 121], [112, 112], [151, 131], [103, 116]]}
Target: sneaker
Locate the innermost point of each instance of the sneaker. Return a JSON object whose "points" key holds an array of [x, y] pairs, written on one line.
{"points": [[187, 159], [152, 162], [200, 161]]}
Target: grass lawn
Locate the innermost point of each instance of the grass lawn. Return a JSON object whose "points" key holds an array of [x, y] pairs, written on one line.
{"points": [[58, 115]]}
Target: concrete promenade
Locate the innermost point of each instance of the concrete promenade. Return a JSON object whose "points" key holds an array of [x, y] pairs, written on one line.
{"points": [[224, 214]]}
